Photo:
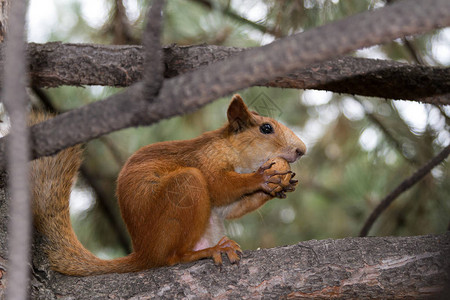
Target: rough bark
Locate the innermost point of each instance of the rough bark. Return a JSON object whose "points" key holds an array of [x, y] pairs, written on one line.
{"points": [[55, 64], [4, 7], [391, 267]]}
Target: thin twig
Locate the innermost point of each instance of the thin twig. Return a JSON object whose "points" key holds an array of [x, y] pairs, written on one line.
{"points": [[118, 156], [107, 209], [119, 26], [45, 100], [391, 139], [409, 46], [15, 99], [404, 186], [233, 15], [413, 52]]}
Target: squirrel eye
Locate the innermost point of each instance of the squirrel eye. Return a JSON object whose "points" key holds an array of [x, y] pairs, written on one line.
{"points": [[266, 128]]}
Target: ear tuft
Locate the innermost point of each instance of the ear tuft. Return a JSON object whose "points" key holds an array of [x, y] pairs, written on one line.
{"points": [[239, 117]]}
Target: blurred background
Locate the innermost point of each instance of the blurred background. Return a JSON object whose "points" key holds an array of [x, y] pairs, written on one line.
{"points": [[359, 148]]}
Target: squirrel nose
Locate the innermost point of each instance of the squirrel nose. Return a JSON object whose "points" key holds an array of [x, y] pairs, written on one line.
{"points": [[300, 152]]}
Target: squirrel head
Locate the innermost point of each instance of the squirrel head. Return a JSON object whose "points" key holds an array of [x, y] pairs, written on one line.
{"points": [[256, 139]]}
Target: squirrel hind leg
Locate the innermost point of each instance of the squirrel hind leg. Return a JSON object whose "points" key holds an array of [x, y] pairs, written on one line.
{"points": [[179, 222], [191, 212], [225, 246]]}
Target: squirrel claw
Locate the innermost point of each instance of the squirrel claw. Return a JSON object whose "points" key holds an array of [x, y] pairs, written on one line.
{"points": [[217, 257], [289, 189], [230, 248], [281, 194], [266, 166]]}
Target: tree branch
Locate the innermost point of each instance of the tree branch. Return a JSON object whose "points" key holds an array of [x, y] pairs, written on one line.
{"points": [[357, 268], [151, 40], [14, 97], [404, 186], [188, 92], [55, 64]]}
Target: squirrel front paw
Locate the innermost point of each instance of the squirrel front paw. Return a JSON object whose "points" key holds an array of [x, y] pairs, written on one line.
{"points": [[278, 177]]}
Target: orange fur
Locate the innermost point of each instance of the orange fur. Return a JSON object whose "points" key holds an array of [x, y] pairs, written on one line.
{"points": [[174, 195]]}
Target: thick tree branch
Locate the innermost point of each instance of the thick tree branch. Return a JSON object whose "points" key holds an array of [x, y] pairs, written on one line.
{"points": [[188, 92], [357, 268], [56, 64]]}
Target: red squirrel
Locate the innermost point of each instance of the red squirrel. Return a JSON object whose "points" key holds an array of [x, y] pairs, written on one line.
{"points": [[173, 196]]}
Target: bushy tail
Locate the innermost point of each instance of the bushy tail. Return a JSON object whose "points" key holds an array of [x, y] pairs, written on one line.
{"points": [[52, 179]]}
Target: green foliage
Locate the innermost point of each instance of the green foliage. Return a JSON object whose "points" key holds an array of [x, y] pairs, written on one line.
{"points": [[359, 149]]}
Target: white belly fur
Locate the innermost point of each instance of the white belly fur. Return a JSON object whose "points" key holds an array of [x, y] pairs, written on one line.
{"points": [[216, 229]]}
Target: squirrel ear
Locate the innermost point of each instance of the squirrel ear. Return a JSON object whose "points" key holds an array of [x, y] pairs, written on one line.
{"points": [[239, 117]]}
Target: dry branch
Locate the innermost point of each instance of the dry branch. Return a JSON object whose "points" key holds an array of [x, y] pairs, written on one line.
{"points": [[55, 64], [188, 92]]}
